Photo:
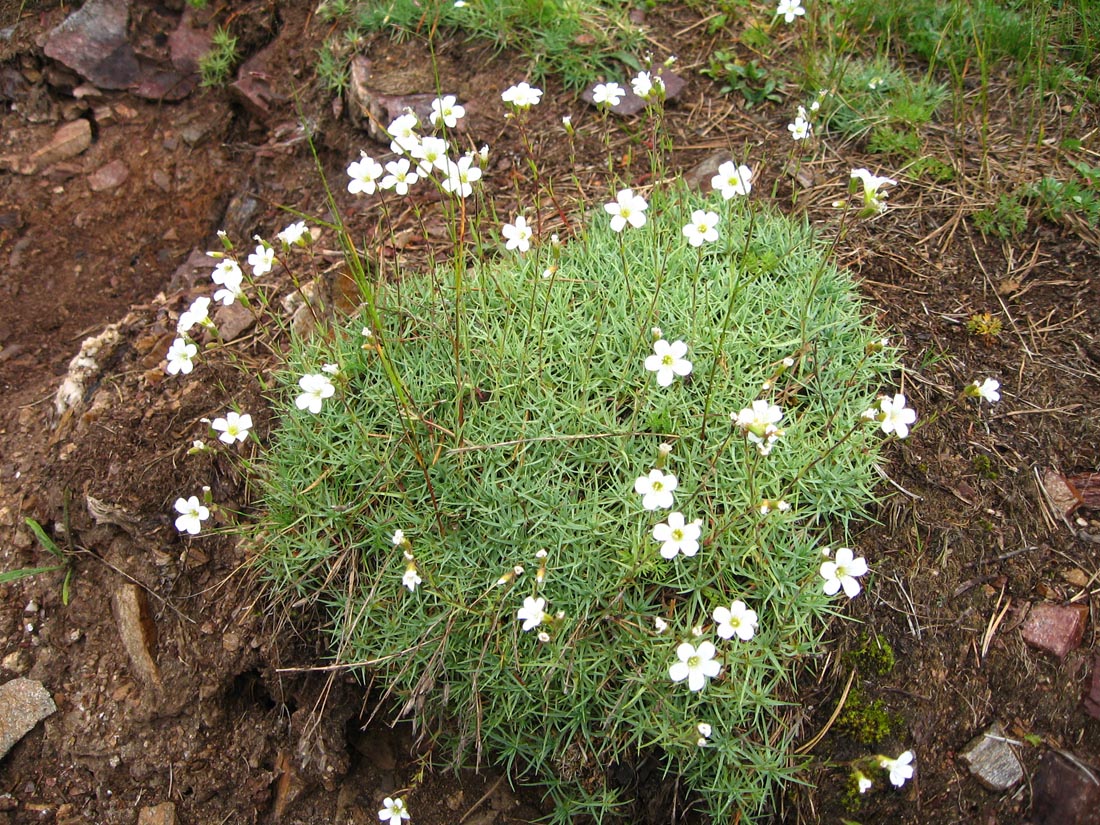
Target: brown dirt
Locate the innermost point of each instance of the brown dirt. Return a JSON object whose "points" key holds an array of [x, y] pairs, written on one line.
{"points": [[220, 720]]}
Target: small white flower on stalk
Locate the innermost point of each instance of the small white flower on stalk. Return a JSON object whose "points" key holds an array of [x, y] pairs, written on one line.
{"points": [[702, 229], [461, 175], [874, 201], [607, 93], [656, 490], [646, 85], [234, 427], [181, 357], [198, 446], [758, 423], [262, 260], [315, 388], [801, 128], [411, 578], [398, 538], [989, 389], [446, 110], [567, 124], [900, 769], [364, 174], [198, 313], [678, 536], [893, 416], [518, 235], [789, 10], [393, 811], [626, 208], [533, 613], [402, 132], [843, 571], [192, 513], [704, 729], [737, 620], [696, 664], [862, 782], [543, 636], [330, 369], [522, 96], [668, 361], [659, 625], [400, 177], [875, 82], [296, 233], [732, 180], [431, 154]]}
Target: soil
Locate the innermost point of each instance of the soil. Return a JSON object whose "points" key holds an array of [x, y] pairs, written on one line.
{"points": [[178, 680]]}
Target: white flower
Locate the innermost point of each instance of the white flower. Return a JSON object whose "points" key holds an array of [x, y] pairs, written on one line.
{"points": [[522, 96], [801, 128], [895, 417], [758, 423], [533, 613], [874, 201], [315, 388], [229, 276], [668, 361], [518, 234], [234, 427], [900, 769], [402, 132], [192, 515], [875, 82], [293, 234], [702, 229], [656, 490], [262, 260], [735, 619], [789, 10], [609, 93], [447, 110], [696, 664], [364, 174], [732, 180], [843, 572], [393, 811], [645, 84], [676, 536], [863, 783], [659, 624], [431, 152], [400, 176], [330, 369], [197, 313], [987, 389], [398, 537], [461, 175], [626, 208], [704, 729], [411, 578], [181, 356]]}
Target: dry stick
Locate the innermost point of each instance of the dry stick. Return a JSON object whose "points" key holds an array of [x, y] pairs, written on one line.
{"points": [[483, 797]]}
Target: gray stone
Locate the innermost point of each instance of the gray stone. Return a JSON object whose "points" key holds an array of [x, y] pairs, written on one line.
{"points": [[23, 704], [93, 42], [991, 760]]}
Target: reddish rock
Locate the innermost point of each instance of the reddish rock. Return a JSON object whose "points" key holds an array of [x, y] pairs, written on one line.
{"points": [[1055, 628], [1091, 700], [93, 42], [1064, 793], [110, 176]]}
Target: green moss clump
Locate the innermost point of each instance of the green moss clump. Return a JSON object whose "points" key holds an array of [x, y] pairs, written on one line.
{"points": [[983, 466], [873, 657], [866, 721]]}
